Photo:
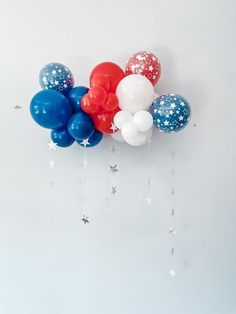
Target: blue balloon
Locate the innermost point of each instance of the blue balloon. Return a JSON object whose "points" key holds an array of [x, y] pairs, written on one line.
{"points": [[171, 113], [93, 140], [75, 96], [62, 137], [80, 126], [50, 109], [56, 76]]}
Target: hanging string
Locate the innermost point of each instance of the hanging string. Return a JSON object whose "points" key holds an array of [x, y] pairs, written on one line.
{"points": [[172, 229]]}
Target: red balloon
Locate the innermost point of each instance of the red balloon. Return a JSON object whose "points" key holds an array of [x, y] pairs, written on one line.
{"points": [[87, 106], [111, 103], [110, 71], [146, 64], [104, 122], [100, 80], [97, 95]]}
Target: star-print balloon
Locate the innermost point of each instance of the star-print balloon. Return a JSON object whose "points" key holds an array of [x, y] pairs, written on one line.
{"points": [[171, 113], [56, 76], [146, 64]]}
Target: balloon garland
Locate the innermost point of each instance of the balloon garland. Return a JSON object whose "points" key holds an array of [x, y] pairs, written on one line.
{"points": [[120, 103]]}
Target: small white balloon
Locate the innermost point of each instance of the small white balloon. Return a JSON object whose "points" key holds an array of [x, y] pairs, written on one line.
{"points": [[143, 120], [140, 139], [121, 118], [129, 130], [135, 92], [118, 136]]}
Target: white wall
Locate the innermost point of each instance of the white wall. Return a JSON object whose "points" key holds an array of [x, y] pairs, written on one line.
{"points": [[119, 263]]}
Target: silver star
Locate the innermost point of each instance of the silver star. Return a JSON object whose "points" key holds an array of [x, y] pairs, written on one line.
{"points": [[149, 182], [113, 169], [51, 163], [172, 231], [172, 191], [114, 190], [85, 142], [52, 145], [17, 107], [172, 212], [113, 127], [172, 251], [113, 149], [85, 219], [172, 273], [149, 200]]}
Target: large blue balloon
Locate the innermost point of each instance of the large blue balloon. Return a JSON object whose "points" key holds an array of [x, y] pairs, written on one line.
{"points": [[75, 96], [62, 137], [50, 109], [80, 126], [56, 76], [93, 140], [171, 113]]}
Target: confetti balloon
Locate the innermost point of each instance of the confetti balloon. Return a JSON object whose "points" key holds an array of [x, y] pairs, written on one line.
{"points": [[56, 76], [50, 109], [93, 140], [80, 126], [171, 113], [146, 64], [75, 96], [62, 137]]}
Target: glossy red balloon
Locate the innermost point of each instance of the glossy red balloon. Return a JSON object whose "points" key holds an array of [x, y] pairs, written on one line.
{"points": [[146, 64], [111, 103], [97, 95], [100, 80], [87, 106], [110, 71], [104, 122]]}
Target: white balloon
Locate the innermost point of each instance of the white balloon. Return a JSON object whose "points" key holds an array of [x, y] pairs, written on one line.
{"points": [[140, 139], [135, 92], [118, 136], [121, 118], [129, 130], [143, 120]]}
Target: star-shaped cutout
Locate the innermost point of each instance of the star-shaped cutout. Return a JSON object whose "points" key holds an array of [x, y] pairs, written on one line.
{"points": [[172, 272], [114, 168], [52, 145], [181, 118], [51, 163], [85, 142], [113, 127], [173, 105], [85, 219], [149, 200], [166, 122], [54, 72], [113, 190]]}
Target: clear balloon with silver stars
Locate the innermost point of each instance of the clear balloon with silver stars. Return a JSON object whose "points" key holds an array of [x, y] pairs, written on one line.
{"points": [[171, 113], [56, 76]]}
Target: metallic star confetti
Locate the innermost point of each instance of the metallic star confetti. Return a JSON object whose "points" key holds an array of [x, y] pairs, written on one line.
{"points": [[85, 219], [51, 163], [113, 149], [172, 212], [172, 272], [172, 191], [172, 231], [85, 142], [172, 251], [17, 107], [113, 190], [149, 182], [149, 200], [114, 168], [52, 145]]}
